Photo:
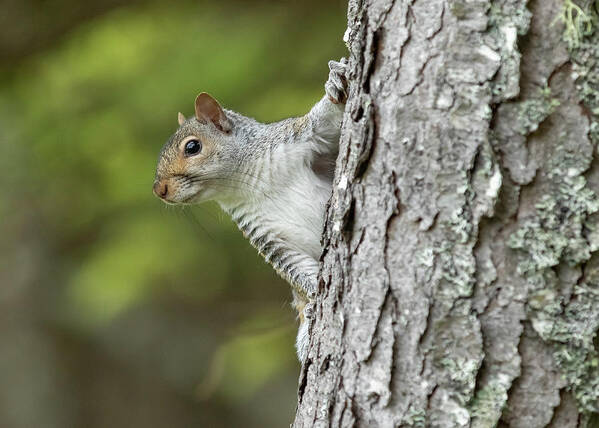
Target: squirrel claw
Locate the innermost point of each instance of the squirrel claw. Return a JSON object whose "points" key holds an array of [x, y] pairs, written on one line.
{"points": [[309, 311], [336, 86]]}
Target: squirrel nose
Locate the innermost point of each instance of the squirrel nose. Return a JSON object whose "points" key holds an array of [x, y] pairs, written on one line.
{"points": [[160, 189]]}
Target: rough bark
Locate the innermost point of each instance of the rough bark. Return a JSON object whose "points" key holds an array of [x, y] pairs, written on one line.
{"points": [[460, 278]]}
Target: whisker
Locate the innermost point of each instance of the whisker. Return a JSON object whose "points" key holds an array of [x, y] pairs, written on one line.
{"points": [[191, 218], [223, 182], [232, 177]]}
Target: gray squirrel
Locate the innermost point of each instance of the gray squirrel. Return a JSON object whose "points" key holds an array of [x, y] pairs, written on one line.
{"points": [[273, 179]]}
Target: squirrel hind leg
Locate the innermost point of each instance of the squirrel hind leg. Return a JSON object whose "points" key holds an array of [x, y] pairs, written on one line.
{"points": [[305, 312], [302, 341]]}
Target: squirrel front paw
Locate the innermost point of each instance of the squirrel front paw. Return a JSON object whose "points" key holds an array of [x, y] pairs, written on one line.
{"points": [[336, 86]]}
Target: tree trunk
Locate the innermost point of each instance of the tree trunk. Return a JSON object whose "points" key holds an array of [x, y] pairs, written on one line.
{"points": [[460, 278]]}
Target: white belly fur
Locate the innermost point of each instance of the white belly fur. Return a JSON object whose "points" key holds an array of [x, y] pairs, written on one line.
{"points": [[296, 213]]}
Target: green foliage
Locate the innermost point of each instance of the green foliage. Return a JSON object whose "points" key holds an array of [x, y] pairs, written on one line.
{"points": [[129, 262]]}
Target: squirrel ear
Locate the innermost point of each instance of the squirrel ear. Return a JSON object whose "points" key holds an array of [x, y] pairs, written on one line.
{"points": [[209, 110], [180, 118]]}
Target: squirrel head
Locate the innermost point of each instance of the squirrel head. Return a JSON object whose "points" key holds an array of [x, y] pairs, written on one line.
{"points": [[195, 162]]}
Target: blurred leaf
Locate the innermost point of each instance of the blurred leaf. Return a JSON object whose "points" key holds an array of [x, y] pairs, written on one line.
{"points": [[132, 260], [247, 362]]}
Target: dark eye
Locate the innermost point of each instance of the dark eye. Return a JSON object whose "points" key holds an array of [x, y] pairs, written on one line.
{"points": [[193, 147]]}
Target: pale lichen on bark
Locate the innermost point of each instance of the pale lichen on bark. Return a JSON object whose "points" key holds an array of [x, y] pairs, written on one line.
{"points": [[561, 232]]}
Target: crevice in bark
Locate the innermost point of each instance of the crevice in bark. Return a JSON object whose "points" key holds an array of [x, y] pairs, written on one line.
{"points": [[303, 380], [373, 46]]}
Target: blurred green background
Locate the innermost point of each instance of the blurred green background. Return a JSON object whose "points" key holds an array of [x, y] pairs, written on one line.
{"points": [[116, 310]]}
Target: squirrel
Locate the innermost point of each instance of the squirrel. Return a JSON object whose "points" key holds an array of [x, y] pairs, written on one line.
{"points": [[273, 179]]}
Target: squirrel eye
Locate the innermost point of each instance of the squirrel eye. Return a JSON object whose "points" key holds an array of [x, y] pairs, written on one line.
{"points": [[192, 147]]}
